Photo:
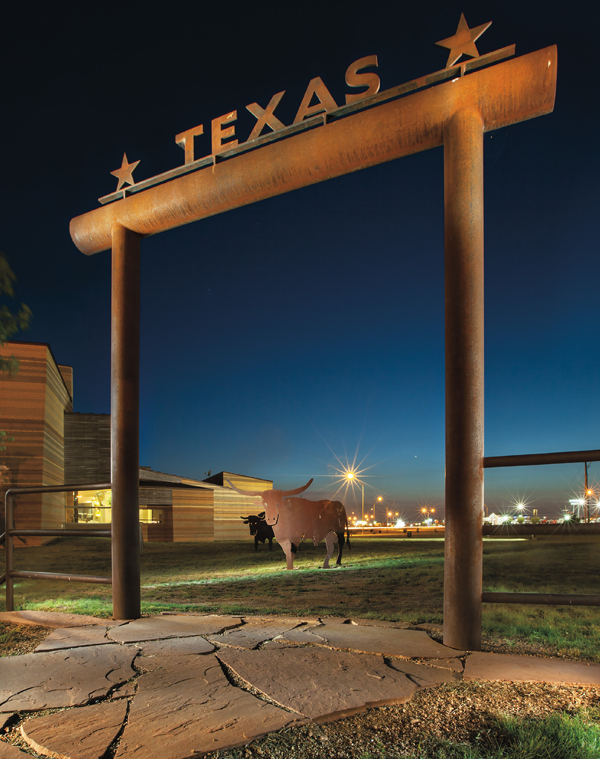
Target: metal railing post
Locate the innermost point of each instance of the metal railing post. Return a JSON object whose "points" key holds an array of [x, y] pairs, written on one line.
{"points": [[124, 422], [11, 532], [463, 217], [8, 547]]}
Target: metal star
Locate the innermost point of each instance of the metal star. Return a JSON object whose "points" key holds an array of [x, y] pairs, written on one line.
{"points": [[463, 42], [125, 173]]}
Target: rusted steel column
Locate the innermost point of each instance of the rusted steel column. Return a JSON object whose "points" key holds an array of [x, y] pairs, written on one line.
{"points": [[463, 209], [9, 548], [124, 422]]}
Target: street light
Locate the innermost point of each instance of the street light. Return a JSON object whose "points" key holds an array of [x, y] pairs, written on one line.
{"points": [[588, 493], [379, 500], [351, 476]]}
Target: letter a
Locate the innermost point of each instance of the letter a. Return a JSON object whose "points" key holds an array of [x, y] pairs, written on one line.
{"points": [[326, 101]]}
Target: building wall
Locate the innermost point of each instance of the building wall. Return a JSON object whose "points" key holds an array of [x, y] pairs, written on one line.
{"points": [[230, 506], [66, 372], [53, 445], [193, 515], [58, 400], [32, 403], [87, 448]]}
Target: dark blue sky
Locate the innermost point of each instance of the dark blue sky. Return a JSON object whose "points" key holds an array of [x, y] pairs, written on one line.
{"points": [[282, 335]]}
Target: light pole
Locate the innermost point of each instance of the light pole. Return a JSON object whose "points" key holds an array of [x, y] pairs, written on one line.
{"points": [[379, 500], [351, 477], [520, 507]]}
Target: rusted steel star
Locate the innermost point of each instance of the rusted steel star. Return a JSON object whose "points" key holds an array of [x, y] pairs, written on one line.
{"points": [[463, 42], [125, 173]]}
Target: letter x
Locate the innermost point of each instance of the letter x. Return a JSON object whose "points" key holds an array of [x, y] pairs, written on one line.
{"points": [[265, 116]]}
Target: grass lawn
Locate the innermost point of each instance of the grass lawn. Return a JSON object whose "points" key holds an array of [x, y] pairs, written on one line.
{"points": [[393, 579]]}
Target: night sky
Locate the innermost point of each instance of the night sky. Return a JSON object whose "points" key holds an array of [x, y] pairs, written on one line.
{"points": [[291, 337]]}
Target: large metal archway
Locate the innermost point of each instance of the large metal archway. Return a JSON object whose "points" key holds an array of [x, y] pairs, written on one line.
{"points": [[382, 127]]}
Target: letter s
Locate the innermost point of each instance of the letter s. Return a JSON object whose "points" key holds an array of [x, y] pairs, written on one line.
{"points": [[369, 79]]}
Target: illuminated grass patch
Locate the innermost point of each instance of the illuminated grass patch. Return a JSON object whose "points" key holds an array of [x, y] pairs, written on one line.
{"points": [[393, 579]]}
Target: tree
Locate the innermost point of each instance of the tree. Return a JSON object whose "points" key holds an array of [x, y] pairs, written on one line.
{"points": [[10, 323]]}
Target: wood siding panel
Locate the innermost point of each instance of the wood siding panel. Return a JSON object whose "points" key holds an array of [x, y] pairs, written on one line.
{"points": [[229, 507], [193, 515], [87, 448], [32, 404], [161, 533], [155, 497]]}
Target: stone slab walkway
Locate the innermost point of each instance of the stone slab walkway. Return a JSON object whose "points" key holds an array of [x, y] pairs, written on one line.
{"points": [[178, 685]]}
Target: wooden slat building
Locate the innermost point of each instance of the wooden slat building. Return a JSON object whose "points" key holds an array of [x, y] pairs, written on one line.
{"points": [[54, 445], [33, 402]]}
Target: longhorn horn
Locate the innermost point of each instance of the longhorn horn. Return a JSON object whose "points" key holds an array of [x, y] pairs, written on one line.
{"points": [[298, 490], [244, 492]]}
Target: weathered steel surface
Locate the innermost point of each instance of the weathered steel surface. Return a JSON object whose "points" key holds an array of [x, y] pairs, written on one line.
{"points": [[10, 503], [60, 533], [295, 518], [124, 422], [60, 488], [61, 576], [536, 459], [504, 94], [549, 599], [463, 210], [316, 121]]}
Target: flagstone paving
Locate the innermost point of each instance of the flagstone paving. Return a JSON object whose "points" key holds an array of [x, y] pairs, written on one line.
{"points": [[332, 684], [63, 678], [186, 706], [68, 733], [254, 632], [175, 647], [74, 637], [171, 626], [53, 619], [483, 666], [154, 688], [423, 675], [389, 641], [12, 752]]}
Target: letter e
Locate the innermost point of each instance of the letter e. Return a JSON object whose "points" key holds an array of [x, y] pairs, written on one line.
{"points": [[219, 134]]}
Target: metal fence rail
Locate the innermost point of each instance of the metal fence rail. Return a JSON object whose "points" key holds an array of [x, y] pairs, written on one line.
{"points": [[539, 459], [11, 532], [551, 599]]}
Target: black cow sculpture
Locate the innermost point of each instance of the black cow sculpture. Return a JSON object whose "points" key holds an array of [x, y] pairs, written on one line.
{"points": [[295, 518], [260, 529]]}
